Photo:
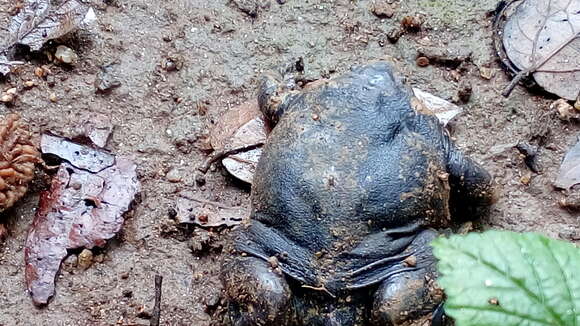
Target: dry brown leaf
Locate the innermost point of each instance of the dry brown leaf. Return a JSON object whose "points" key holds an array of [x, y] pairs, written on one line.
{"points": [[231, 121], [541, 38], [83, 208], [238, 135], [569, 175]]}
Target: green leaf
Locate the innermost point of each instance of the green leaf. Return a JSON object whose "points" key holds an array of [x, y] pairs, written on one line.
{"points": [[505, 278]]}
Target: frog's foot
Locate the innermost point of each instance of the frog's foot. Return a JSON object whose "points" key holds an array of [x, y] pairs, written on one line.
{"points": [[257, 295], [411, 294]]}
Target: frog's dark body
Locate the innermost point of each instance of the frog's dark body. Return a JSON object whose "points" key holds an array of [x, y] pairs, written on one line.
{"points": [[350, 183]]}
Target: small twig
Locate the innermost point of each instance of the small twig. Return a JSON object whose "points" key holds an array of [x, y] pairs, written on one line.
{"points": [[216, 156], [157, 309], [321, 288], [515, 81]]}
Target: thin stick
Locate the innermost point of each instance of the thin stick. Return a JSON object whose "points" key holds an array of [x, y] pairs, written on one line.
{"points": [[157, 309]]}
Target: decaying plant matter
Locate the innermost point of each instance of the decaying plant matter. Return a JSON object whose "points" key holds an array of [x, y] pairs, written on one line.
{"points": [[17, 158]]}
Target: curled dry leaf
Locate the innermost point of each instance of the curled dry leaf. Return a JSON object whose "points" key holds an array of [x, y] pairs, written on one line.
{"points": [[569, 175], [83, 208], [444, 110], [18, 155], [541, 38], [194, 210], [237, 139], [38, 22]]}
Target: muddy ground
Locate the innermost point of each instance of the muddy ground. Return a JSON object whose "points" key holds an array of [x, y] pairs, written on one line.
{"points": [[160, 118]]}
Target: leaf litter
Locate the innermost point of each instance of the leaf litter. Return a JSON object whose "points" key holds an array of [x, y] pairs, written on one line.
{"points": [[38, 22], [569, 175], [541, 38], [83, 208]]}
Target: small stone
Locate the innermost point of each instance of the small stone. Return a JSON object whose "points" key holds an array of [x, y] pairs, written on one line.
{"points": [[70, 263], [412, 23], [40, 72], [66, 55], [526, 178], [422, 61], [53, 98], [486, 73], [7, 98], [127, 293], [12, 91], [85, 259], [106, 81], [410, 261], [577, 104], [170, 64], [124, 275], [273, 261], [51, 81], [381, 9], [29, 84], [565, 110], [174, 175]]}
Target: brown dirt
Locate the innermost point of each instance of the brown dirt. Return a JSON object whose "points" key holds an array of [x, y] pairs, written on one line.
{"points": [[159, 117]]}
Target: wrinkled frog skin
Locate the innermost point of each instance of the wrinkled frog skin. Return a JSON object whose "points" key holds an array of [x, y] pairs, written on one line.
{"points": [[352, 187]]}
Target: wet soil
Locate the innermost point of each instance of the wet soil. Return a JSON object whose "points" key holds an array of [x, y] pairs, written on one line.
{"points": [[161, 118]]}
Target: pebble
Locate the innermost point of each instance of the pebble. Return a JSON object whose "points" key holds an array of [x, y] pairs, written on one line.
{"points": [[70, 263], [410, 261], [412, 23], [53, 98], [85, 259], [12, 91], [565, 110], [40, 72], [382, 9], [486, 73], [7, 98], [66, 55], [29, 84], [106, 81], [174, 175]]}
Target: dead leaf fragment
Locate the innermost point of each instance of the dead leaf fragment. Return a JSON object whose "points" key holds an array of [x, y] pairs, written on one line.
{"points": [[98, 129], [231, 121], [444, 110], [237, 139], [37, 22], [193, 210], [541, 38], [81, 209], [569, 175], [81, 156]]}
